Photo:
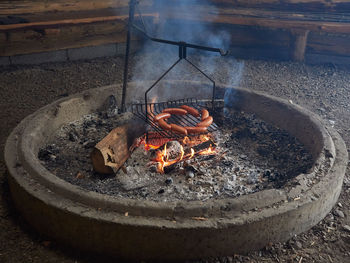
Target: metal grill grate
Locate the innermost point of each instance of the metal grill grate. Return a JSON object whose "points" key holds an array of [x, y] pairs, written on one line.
{"points": [[183, 120]]}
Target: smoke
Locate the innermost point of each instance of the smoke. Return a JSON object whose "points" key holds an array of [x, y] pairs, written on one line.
{"points": [[155, 58]]}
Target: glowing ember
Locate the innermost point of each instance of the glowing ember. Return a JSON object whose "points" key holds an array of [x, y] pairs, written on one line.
{"points": [[192, 153], [162, 156]]}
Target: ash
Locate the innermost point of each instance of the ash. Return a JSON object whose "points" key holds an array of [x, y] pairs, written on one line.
{"points": [[252, 155]]}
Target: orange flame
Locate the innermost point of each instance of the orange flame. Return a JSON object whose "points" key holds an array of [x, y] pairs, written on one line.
{"points": [[209, 151], [162, 157], [192, 153]]}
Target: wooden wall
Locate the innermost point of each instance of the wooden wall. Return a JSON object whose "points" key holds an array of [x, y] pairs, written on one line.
{"points": [[37, 26], [285, 29]]}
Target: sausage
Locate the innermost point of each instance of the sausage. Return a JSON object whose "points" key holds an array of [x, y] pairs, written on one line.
{"points": [[164, 125], [177, 111], [206, 123], [205, 114], [178, 129], [194, 130], [161, 116], [190, 110]]}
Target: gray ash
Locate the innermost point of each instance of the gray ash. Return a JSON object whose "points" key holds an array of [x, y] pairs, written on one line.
{"points": [[252, 155]]}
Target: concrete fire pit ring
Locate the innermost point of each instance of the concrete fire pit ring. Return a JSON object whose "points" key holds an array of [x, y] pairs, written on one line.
{"points": [[137, 229]]}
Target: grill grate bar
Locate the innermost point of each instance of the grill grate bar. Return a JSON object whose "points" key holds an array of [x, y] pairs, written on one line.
{"points": [[153, 109]]}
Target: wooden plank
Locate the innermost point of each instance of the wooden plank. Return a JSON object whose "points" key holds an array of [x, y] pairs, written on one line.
{"points": [[3, 37], [280, 5], [298, 44], [62, 34], [74, 36], [66, 22], [328, 44], [8, 7], [317, 26]]}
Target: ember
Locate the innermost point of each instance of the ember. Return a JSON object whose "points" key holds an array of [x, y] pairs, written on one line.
{"points": [[244, 156], [188, 149]]}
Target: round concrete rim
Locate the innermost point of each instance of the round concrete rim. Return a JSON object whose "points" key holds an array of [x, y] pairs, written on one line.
{"points": [[330, 165]]}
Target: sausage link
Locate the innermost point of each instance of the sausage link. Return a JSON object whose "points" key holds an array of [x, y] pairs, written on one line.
{"points": [[161, 116], [178, 129], [177, 111], [205, 114], [195, 130], [190, 110], [164, 125], [206, 123]]}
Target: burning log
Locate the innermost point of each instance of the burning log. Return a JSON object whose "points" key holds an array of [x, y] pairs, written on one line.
{"points": [[109, 155], [168, 156]]}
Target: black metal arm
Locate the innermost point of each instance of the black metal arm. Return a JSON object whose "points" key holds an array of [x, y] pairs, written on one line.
{"points": [[182, 53], [180, 43]]}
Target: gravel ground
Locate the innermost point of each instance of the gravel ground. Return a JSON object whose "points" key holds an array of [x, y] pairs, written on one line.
{"points": [[324, 90]]}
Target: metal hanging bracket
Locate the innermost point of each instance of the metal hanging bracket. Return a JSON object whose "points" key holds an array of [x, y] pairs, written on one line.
{"points": [[182, 52]]}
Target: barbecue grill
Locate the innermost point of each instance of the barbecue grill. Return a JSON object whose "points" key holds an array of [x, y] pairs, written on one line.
{"points": [[147, 110]]}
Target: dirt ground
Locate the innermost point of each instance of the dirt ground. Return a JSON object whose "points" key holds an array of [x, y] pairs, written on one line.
{"points": [[324, 90]]}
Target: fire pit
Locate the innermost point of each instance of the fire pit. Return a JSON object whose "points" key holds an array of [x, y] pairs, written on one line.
{"points": [[136, 228]]}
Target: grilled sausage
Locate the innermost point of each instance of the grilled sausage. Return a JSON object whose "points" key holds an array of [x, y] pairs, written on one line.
{"points": [[190, 110], [205, 114], [177, 111], [195, 130], [164, 125], [161, 116], [178, 129], [206, 123]]}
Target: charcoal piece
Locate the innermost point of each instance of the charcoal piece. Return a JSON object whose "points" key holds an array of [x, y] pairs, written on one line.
{"points": [[109, 109], [189, 174], [48, 153], [170, 168], [89, 144], [227, 163], [73, 136], [252, 177], [44, 154], [267, 173], [169, 181], [173, 150], [263, 150], [112, 108], [189, 167]]}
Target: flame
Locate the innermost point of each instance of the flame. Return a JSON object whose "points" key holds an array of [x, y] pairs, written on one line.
{"points": [[150, 146], [163, 159], [186, 140], [182, 153], [209, 151], [192, 153]]}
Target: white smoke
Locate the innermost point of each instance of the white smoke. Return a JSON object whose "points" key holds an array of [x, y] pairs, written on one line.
{"points": [[155, 58]]}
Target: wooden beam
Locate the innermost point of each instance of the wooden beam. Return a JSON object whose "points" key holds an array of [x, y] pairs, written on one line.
{"points": [[298, 44], [278, 5], [10, 7], [66, 22], [63, 34], [73, 36], [255, 18]]}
